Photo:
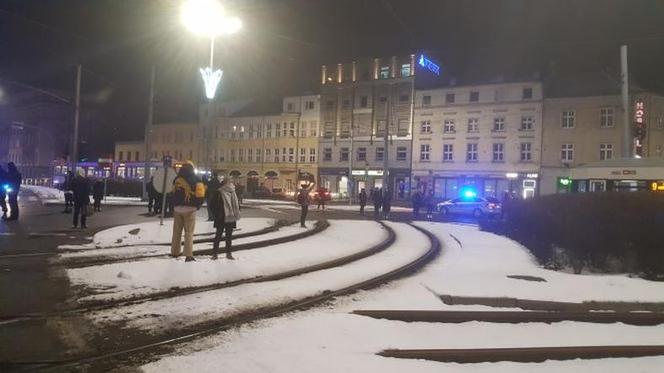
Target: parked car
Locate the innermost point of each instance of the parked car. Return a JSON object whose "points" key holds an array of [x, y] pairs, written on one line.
{"points": [[475, 206], [322, 194]]}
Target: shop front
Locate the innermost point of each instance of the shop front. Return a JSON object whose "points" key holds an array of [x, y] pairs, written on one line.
{"points": [[631, 174], [452, 185], [336, 181]]}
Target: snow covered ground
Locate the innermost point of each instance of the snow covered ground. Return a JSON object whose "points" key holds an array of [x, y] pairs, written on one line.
{"points": [[329, 339], [120, 280], [151, 233]]}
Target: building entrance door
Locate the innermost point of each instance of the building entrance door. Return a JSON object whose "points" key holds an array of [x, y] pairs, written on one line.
{"points": [[597, 185]]}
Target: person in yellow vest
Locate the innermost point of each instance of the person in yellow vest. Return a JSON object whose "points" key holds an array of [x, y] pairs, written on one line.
{"points": [[188, 194]]}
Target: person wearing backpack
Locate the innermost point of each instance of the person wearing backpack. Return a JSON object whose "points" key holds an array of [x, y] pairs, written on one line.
{"points": [[225, 207], [187, 196], [303, 200]]}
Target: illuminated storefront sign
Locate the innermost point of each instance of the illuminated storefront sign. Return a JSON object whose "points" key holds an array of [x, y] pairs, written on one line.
{"points": [[428, 64], [639, 127], [657, 186]]}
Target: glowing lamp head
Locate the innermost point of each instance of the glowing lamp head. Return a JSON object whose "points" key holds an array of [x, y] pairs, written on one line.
{"points": [[207, 18]]}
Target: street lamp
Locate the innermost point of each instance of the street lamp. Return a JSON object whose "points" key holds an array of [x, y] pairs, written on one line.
{"points": [[207, 18]]}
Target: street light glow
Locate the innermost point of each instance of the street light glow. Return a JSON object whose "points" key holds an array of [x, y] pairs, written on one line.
{"points": [[207, 18]]}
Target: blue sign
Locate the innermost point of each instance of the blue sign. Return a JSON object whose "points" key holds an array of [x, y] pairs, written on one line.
{"points": [[429, 65]]}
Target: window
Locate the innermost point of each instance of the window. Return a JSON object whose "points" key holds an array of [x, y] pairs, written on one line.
{"points": [[384, 72], [327, 154], [499, 152], [471, 152], [303, 129], [258, 155], [364, 101], [276, 155], [527, 123], [240, 155], [346, 103], [291, 132], [284, 129], [425, 152], [380, 154], [527, 93], [426, 126], [474, 96], [448, 152], [290, 106], [268, 130], [232, 155], [606, 117], [567, 152], [268, 154], [309, 105], [361, 154], [426, 100], [402, 153], [605, 151], [343, 154], [312, 155], [568, 118], [314, 128], [250, 155], [405, 69], [382, 98], [449, 98], [526, 152], [291, 155], [404, 97], [473, 125], [120, 155], [303, 155], [277, 130], [498, 124], [448, 126]]}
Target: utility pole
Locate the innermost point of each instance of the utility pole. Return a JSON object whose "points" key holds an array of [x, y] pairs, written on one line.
{"points": [[351, 181], [148, 133], [624, 85], [388, 119], [77, 107]]}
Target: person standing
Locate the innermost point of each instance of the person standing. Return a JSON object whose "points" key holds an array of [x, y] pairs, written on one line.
{"points": [[377, 202], [14, 180], [212, 188], [304, 200], [69, 195], [417, 204], [430, 202], [3, 192], [187, 196], [387, 203], [152, 195], [226, 211], [80, 187], [98, 194], [363, 200]]}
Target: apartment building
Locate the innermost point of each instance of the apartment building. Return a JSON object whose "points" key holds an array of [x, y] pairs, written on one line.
{"points": [[483, 138], [586, 129], [269, 146], [366, 125]]}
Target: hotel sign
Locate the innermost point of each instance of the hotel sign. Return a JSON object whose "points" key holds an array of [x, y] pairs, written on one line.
{"points": [[428, 64], [639, 126]]}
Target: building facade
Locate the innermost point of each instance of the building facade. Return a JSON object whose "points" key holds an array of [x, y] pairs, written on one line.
{"points": [[486, 137], [579, 131], [366, 120]]}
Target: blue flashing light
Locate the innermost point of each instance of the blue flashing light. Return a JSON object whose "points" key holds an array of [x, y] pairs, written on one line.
{"points": [[468, 193], [7, 188], [428, 64]]}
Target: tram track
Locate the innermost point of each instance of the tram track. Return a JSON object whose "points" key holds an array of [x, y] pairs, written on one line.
{"points": [[142, 352]]}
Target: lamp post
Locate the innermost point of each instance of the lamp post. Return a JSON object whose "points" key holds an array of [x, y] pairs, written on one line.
{"points": [[207, 18]]}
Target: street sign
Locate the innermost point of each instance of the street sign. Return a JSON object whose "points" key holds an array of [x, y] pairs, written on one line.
{"points": [[159, 181]]}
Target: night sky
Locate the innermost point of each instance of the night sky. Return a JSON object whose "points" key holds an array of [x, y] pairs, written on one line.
{"points": [[283, 43]]}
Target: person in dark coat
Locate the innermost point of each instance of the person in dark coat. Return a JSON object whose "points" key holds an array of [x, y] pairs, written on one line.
{"points": [[226, 211], [417, 204], [387, 203], [212, 186], [377, 202], [98, 194], [430, 202], [303, 200], [363, 200], [80, 186], [13, 182], [69, 195], [3, 192], [152, 195]]}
